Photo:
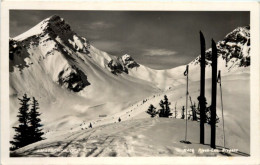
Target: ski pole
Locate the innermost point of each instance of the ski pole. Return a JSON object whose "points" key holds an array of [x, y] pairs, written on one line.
{"points": [[219, 81]]}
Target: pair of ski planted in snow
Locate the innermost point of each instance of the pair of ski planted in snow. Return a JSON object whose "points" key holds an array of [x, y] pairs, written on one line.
{"points": [[202, 99]]}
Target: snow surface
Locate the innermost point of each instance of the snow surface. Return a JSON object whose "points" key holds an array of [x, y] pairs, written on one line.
{"points": [[140, 135], [143, 137]]}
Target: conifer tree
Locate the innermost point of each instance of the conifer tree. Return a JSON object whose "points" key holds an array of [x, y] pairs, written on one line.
{"points": [[207, 113], [162, 110], [152, 110], [22, 131], [90, 125], [167, 107], [182, 112], [208, 116], [175, 112], [165, 110], [34, 121], [194, 115]]}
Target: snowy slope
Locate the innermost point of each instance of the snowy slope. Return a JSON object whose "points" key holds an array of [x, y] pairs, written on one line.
{"points": [[139, 135], [236, 111], [133, 138], [236, 101], [59, 69], [233, 56]]}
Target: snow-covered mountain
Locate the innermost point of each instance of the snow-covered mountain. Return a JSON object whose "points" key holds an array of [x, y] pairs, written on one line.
{"points": [[233, 50], [233, 56], [68, 75], [74, 81]]}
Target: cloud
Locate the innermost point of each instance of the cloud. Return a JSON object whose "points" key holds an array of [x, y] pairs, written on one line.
{"points": [[163, 62], [100, 25], [159, 52]]}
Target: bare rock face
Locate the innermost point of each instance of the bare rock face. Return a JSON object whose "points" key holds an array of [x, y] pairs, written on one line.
{"points": [[129, 62], [116, 67], [122, 64], [236, 45], [73, 79], [57, 28], [17, 55], [234, 49]]}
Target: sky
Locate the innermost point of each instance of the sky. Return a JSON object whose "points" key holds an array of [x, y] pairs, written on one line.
{"points": [[157, 39]]}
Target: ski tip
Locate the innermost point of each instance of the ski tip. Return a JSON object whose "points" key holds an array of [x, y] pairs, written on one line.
{"points": [[201, 34]]}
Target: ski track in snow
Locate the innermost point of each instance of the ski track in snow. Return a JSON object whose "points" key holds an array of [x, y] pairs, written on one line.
{"points": [[125, 139]]}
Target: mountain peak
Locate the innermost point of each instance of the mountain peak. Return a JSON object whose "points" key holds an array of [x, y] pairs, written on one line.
{"points": [[122, 64], [240, 34], [57, 25], [128, 61], [51, 24], [126, 57], [233, 50], [57, 29], [55, 18]]}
